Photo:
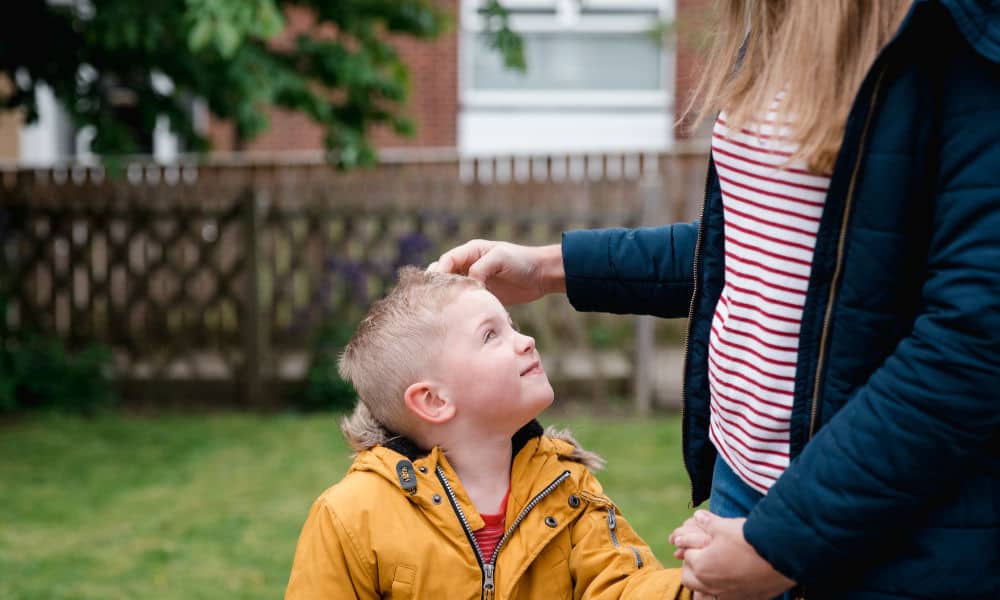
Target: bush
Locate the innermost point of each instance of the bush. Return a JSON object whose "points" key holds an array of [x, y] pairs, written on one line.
{"points": [[38, 372], [323, 388]]}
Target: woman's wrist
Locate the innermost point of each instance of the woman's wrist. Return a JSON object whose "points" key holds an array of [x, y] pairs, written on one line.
{"points": [[551, 275]]}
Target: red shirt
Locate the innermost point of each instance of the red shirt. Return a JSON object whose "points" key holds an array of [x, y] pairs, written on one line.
{"points": [[489, 535]]}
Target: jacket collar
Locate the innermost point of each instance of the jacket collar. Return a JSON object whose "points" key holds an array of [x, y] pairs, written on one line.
{"points": [[412, 451], [979, 22]]}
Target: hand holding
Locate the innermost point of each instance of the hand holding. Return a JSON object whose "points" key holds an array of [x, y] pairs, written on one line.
{"points": [[687, 536], [729, 566]]}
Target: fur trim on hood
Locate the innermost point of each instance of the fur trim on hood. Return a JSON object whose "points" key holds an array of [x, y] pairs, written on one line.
{"points": [[591, 460], [363, 432]]}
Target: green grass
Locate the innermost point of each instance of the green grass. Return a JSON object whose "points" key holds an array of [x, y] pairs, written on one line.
{"points": [[211, 507]]}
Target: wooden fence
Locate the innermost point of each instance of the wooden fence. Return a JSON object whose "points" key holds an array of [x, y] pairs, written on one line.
{"points": [[208, 279]]}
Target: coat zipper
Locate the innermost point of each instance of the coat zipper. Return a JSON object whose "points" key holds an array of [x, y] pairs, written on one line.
{"points": [[488, 568], [824, 334], [828, 316], [687, 332]]}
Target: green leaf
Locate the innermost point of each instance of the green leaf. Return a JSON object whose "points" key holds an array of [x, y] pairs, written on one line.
{"points": [[200, 35], [227, 38]]}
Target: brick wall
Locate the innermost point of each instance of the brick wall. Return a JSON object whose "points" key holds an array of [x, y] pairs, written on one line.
{"points": [[691, 28], [432, 106], [10, 126]]}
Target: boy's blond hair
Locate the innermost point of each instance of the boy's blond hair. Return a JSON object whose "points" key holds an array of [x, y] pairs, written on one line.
{"points": [[392, 349]]}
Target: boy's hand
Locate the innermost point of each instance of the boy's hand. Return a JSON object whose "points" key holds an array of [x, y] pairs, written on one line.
{"points": [[514, 274], [729, 566], [687, 536]]}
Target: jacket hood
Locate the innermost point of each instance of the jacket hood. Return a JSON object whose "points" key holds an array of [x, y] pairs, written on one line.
{"points": [[979, 22], [389, 458]]}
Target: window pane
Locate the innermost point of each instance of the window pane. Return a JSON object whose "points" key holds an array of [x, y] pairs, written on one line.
{"points": [[573, 61]]}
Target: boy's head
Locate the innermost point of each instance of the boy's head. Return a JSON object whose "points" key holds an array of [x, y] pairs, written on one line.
{"points": [[441, 351]]}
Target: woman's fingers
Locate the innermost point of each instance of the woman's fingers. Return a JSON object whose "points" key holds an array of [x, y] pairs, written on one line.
{"points": [[690, 580], [461, 258]]}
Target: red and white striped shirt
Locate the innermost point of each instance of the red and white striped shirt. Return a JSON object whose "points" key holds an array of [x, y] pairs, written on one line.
{"points": [[772, 211]]}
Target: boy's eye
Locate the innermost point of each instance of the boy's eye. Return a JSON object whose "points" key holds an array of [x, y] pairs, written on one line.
{"points": [[492, 333]]}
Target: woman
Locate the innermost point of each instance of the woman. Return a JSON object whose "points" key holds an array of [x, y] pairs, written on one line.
{"points": [[842, 387]]}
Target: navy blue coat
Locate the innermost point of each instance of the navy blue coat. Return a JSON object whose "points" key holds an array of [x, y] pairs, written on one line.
{"points": [[894, 485]]}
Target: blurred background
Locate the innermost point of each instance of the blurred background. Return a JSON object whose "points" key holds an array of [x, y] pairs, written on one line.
{"points": [[200, 198]]}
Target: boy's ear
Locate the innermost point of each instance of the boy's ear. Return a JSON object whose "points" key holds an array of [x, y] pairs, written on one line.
{"points": [[423, 400]]}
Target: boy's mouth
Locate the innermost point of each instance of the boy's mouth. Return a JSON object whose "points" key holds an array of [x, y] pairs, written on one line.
{"points": [[533, 369]]}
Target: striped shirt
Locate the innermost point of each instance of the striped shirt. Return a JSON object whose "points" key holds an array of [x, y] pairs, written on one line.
{"points": [[771, 211]]}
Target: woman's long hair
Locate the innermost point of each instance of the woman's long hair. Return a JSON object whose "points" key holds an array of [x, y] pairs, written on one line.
{"points": [[815, 51]]}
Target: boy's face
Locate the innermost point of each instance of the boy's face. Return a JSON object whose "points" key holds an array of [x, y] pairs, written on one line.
{"points": [[489, 370]]}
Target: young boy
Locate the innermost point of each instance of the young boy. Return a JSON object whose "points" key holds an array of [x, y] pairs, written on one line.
{"points": [[456, 492]]}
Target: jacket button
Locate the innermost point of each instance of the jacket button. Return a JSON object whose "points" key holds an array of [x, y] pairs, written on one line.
{"points": [[551, 522], [436, 498], [422, 469], [574, 501]]}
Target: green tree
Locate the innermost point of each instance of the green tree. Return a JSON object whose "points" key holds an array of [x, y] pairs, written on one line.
{"points": [[119, 64]]}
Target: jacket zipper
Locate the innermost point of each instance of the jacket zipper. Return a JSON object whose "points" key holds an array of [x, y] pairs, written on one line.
{"points": [[687, 332], [488, 568], [828, 316], [613, 528]]}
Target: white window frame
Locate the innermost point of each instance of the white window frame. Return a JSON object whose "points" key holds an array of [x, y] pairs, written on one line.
{"points": [[568, 16]]}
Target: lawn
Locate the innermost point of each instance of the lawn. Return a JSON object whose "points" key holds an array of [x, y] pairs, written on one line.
{"points": [[211, 506]]}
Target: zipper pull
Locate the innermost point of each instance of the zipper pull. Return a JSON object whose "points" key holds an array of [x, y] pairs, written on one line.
{"points": [[488, 584], [613, 525]]}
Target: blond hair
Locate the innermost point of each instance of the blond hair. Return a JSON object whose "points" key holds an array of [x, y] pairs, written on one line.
{"points": [[817, 53], [392, 348]]}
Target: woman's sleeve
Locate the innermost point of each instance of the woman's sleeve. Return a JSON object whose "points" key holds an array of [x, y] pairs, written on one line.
{"points": [[328, 564], [646, 271]]}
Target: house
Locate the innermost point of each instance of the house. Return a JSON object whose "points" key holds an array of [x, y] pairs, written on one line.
{"points": [[597, 81]]}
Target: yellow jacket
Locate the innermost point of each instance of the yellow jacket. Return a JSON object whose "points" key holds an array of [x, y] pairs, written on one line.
{"points": [[400, 526]]}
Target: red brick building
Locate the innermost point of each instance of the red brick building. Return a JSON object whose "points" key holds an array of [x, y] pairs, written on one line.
{"points": [[596, 82]]}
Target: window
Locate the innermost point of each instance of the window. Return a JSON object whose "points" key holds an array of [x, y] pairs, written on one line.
{"points": [[596, 79], [597, 52]]}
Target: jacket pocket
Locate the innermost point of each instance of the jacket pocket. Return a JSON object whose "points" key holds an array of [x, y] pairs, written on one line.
{"points": [[612, 523], [613, 529], [402, 582]]}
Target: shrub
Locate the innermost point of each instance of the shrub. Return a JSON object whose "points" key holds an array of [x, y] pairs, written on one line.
{"points": [[323, 388], [38, 372]]}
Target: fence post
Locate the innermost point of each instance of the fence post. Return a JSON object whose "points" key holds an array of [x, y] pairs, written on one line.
{"points": [[651, 196], [254, 203]]}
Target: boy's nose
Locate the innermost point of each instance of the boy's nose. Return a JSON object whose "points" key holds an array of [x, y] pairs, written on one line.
{"points": [[525, 343]]}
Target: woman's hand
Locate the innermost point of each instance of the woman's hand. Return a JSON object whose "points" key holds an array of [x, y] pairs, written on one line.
{"points": [[728, 566], [515, 274]]}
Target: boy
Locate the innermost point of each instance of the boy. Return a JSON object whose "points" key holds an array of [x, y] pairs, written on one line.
{"points": [[456, 492]]}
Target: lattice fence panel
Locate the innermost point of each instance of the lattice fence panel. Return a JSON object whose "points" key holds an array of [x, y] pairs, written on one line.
{"points": [[223, 274]]}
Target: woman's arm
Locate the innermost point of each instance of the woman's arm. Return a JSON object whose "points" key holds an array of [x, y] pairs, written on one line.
{"points": [[645, 271]]}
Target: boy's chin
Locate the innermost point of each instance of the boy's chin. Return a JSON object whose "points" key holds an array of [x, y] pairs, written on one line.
{"points": [[544, 402], [537, 408]]}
